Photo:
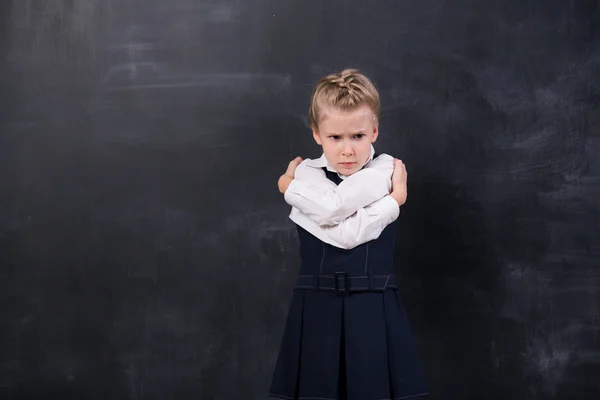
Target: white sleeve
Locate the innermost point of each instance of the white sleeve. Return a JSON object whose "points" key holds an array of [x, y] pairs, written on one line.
{"points": [[312, 193], [361, 227]]}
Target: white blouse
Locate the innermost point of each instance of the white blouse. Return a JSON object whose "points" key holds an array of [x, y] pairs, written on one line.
{"points": [[345, 215]]}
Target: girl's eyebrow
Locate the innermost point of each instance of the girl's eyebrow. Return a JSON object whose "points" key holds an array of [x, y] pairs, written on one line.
{"points": [[362, 132]]}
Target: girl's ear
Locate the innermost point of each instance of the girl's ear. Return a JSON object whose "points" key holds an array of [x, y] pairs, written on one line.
{"points": [[375, 133], [316, 136]]}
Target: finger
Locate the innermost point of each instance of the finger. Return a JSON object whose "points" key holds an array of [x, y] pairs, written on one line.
{"points": [[291, 166]]}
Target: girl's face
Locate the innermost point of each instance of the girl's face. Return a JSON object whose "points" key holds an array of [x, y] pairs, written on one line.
{"points": [[346, 137]]}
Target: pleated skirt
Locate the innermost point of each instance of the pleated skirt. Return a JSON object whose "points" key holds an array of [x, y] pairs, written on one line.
{"points": [[355, 347]]}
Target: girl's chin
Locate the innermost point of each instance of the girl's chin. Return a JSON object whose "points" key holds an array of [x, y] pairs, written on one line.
{"points": [[348, 171]]}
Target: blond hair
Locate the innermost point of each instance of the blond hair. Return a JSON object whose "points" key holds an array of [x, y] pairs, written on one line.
{"points": [[345, 90]]}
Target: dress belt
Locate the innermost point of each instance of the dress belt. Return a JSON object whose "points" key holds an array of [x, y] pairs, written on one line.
{"points": [[342, 283]]}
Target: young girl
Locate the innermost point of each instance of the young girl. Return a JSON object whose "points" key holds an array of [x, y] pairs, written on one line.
{"points": [[346, 335]]}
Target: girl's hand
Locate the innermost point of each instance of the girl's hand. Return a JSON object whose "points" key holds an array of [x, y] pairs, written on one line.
{"points": [[399, 178], [288, 176]]}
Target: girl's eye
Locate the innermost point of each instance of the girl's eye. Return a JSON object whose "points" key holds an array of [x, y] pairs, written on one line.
{"points": [[357, 136]]}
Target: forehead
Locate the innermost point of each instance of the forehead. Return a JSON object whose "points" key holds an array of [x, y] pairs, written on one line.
{"points": [[333, 120]]}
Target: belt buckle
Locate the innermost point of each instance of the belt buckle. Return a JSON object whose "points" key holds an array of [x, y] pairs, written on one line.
{"points": [[338, 277]]}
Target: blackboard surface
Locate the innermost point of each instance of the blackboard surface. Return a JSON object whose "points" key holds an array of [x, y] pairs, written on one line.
{"points": [[145, 252]]}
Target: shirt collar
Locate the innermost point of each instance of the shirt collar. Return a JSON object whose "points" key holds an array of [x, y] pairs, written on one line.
{"points": [[322, 162]]}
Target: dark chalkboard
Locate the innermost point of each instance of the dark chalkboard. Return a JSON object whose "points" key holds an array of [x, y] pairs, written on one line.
{"points": [[145, 252]]}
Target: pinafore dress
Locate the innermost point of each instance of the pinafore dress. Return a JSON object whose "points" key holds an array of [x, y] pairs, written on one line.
{"points": [[347, 336]]}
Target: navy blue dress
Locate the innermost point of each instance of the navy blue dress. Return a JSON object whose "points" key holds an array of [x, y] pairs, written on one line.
{"points": [[346, 335]]}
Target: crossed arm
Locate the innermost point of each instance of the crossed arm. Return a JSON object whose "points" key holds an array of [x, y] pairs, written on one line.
{"points": [[351, 213]]}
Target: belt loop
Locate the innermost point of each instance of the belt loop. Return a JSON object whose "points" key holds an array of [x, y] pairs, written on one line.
{"points": [[366, 257], [318, 276], [368, 270]]}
